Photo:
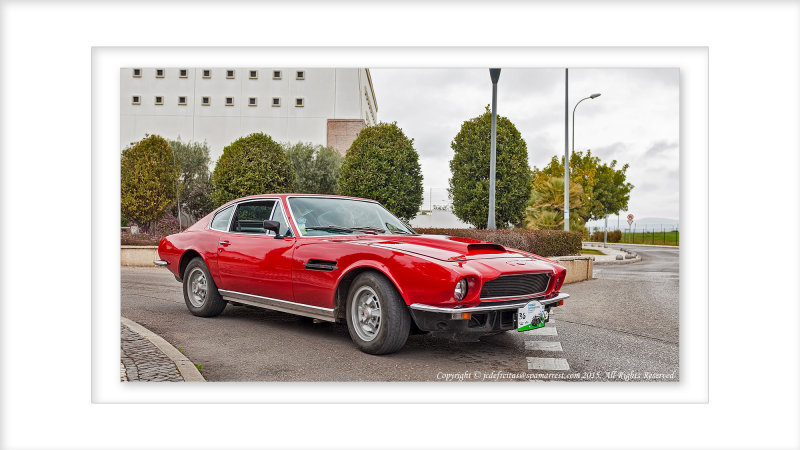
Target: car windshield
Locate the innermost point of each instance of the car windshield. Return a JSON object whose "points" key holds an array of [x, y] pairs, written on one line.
{"points": [[323, 216]]}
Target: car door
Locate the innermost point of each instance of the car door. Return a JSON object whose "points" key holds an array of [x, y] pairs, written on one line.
{"points": [[250, 260]]}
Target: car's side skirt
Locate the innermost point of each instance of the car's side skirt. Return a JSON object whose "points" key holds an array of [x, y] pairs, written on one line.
{"points": [[316, 312]]}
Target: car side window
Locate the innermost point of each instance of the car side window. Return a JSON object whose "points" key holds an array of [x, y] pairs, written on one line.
{"points": [[250, 216], [221, 220], [279, 217]]}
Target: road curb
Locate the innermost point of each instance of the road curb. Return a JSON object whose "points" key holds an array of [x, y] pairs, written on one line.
{"points": [[186, 367], [635, 259], [617, 262]]}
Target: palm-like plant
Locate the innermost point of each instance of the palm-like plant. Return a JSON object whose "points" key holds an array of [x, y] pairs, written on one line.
{"points": [[546, 206]]}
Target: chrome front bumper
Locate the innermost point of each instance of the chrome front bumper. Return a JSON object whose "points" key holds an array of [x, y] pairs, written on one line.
{"points": [[489, 307], [160, 262]]}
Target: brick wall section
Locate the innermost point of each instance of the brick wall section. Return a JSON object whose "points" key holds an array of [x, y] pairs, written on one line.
{"points": [[342, 133]]}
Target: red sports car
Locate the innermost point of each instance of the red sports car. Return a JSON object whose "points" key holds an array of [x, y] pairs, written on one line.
{"points": [[344, 259]]}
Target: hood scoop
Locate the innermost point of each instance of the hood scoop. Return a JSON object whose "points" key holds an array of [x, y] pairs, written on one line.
{"points": [[484, 248]]}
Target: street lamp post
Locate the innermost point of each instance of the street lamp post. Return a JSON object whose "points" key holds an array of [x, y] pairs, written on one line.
{"points": [[177, 196], [566, 163], [495, 75]]}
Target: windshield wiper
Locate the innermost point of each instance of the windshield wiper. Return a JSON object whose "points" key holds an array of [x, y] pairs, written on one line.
{"points": [[375, 229], [338, 228]]}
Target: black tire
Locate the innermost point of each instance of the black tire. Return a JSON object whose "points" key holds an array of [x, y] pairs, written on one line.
{"points": [[394, 323], [209, 305]]}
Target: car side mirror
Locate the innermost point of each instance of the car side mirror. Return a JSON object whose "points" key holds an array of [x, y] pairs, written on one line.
{"points": [[271, 225]]}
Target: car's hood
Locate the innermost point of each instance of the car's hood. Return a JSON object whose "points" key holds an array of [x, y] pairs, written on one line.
{"points": [[446, 248]]}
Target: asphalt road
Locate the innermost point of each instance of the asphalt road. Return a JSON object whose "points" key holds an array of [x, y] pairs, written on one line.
{"points": [[621, 326]]}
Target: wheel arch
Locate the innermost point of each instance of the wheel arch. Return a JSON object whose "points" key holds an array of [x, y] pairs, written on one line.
{"points": [[186, 257], [346, 280]]}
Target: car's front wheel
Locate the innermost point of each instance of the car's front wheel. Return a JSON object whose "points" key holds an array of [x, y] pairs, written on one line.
{"points": [[377, 317], [200, 291]]}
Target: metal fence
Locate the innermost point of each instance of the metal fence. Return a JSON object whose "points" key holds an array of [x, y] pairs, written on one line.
{"points": [[654, 234]]}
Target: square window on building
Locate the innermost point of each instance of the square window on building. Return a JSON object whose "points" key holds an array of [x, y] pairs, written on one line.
{"points": [[159, 73], [184, 73], [137, 73], [301, 74], [136, 100], [276, 101], [228, 101], [159, 100], [206, 101], [253, 74], [276, 74], [182, 100], [206, 73], [252, 101], [230, 74], [299, 102]]}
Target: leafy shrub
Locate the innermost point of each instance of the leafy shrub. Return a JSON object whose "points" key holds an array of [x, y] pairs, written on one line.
{"points": [[316, 167], [126, 238], [251, 165], [383, 165], [469, 185], [613, 236], [164, 227], [148, 180], [539, 242]]}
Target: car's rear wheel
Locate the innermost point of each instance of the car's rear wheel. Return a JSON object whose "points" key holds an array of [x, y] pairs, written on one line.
{"points": [[377, 317], [200, 292]]}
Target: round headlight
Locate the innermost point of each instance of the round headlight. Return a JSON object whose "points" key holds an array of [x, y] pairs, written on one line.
{"points": [[461, 289]]}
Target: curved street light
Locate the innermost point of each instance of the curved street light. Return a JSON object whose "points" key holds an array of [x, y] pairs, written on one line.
{"points": [[566, 163]]}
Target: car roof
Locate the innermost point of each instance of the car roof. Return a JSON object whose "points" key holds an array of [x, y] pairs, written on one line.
{"points": [[286, 195]]}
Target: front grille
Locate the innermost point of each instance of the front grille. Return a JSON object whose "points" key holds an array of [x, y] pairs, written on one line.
{"points": [[516, 285]]}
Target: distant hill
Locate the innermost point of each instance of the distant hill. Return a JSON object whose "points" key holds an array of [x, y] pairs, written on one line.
{"points": [[645, 222]]}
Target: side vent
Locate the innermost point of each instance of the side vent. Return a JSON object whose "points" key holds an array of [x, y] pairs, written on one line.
{"points": [[319, 264]]}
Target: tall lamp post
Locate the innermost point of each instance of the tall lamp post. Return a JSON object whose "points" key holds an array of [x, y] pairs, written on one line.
{"points": [[177, 197], [566, 163], [495, 75]]}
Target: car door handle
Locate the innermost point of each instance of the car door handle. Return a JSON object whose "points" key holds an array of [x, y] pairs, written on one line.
{"points": [[224, 243]]}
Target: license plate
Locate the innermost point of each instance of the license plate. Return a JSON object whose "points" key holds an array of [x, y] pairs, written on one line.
{"points": [[531, 316]]}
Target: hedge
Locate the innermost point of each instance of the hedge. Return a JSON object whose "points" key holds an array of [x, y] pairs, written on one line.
{"points": [[539, 242], [613, 236]]}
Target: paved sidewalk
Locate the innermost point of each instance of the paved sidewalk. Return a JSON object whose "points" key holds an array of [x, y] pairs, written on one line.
{"points": [[146, 356], [142, 361], [610, 254]]}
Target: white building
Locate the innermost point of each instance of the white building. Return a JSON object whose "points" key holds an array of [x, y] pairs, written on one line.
{"points": [[220, 105]]}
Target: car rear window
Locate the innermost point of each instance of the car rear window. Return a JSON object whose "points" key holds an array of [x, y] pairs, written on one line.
{"points": [[221, 220]]}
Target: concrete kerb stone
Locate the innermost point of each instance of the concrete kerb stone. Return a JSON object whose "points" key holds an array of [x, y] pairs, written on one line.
{"points": [[186, 367], [629, 257]]}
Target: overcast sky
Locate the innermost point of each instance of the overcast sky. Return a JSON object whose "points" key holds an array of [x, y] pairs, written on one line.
{"points": [[635, 121]]}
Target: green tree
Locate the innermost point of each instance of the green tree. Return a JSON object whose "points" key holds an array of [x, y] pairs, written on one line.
{"points": [[383, 165], [611, 191], [251, 165], [545, 209], [605, 190], [148, 178], [195, 177], [316, 167], [469, 185]]}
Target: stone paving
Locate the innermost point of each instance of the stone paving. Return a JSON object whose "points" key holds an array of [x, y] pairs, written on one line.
{"points": [[142, 361]]}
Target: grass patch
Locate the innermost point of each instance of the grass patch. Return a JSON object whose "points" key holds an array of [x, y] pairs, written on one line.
{"points": [[181, 350], [199, 367], [591, 251]]}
